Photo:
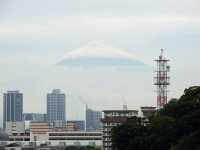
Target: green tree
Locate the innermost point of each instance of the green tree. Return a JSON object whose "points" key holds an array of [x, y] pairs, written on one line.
{"points": [[176, 126], [128, 134]]}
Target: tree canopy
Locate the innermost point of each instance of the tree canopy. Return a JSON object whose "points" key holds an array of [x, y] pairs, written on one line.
{"points": [[174, 127]]}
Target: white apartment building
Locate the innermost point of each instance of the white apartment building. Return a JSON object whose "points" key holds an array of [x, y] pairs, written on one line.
{"points": [[113, 118]]}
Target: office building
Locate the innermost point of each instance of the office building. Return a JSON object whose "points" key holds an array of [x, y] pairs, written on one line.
{"points": [[113, 118], [56, 109], [93, 120], [12, 107]]}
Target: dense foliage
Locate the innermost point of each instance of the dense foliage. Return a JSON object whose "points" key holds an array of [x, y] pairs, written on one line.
{"points": [[174, 127]]}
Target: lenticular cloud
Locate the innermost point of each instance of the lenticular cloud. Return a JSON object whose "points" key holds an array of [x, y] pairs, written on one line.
{"points": [[97, 54]]}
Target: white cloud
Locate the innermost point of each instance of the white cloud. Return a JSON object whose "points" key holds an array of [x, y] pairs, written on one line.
{"points": [[82, 24], [98, 49]]}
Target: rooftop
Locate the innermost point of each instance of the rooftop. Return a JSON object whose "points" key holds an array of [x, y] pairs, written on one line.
{"points": [[120, 110]]}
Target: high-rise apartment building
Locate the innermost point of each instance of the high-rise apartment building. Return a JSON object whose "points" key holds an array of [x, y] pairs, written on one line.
{"points": [[56, 108], [12, 107], [93, 120], [113, 118]]}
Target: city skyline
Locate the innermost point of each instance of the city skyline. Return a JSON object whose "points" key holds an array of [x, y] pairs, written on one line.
{"points": [[35, 36]]}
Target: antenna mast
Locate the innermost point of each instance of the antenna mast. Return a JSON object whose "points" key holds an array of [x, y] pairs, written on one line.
{"points": [[162, 80]]}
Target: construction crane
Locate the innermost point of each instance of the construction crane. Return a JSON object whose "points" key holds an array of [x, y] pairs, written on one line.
{"points": [[86, 105]]}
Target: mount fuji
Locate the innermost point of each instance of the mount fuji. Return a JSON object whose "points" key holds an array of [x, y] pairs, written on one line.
{"points": [[97, 54]]}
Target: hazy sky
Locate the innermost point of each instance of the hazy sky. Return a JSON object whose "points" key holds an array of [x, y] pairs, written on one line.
{"points": [[35, 35]]}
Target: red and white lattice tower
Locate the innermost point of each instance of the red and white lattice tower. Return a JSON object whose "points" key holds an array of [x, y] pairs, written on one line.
{"points": [[162, 81]]}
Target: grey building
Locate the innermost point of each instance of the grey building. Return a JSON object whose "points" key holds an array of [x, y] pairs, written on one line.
{"points": [[80, 124], [12, 107], [93, 120], [56, 108]]}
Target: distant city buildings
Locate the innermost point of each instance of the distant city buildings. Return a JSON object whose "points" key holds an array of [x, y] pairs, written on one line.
{"points": [[52, 126], [113, 118], [93, 120], [41, 131], [34, 117], [75, 125], [56, 108], [29, 117], [12, 107]]}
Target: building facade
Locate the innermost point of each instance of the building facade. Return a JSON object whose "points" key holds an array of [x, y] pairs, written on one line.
{"points": [[148, 111], [113, 118], [93, 120], [12, 107], [15, 128], [79, 125], [70, 138], [56, 108]]}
